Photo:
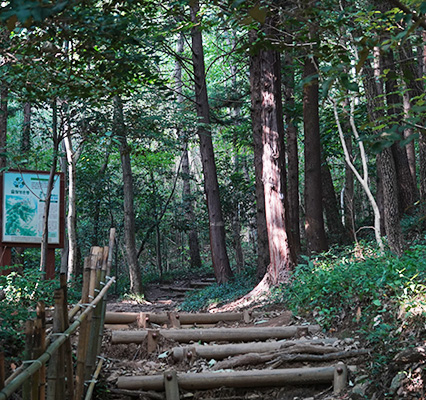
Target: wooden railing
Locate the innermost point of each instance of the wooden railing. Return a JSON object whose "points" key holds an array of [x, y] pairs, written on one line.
{"points": [[61, 379]]}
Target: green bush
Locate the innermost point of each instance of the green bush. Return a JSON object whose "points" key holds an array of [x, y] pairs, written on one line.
{"points": [[22, 288]]}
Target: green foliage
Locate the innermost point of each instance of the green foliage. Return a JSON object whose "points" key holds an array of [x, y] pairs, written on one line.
{"points": [[333, 287], [219, 294], [22, 289]]}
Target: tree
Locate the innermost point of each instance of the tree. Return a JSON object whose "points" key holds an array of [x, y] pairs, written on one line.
{"points": [[314, 221], [129, 215], [211, 186]]}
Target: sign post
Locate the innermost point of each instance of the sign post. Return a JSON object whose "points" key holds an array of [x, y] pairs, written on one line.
{"points": [[23, 197]]}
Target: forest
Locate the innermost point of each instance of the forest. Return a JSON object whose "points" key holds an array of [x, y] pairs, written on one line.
{"points": [[279, 146]]}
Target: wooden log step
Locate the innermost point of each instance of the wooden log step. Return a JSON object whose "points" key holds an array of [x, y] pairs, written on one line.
{"points": [[216, 334], [185, 318], [235, 379], [219, 352], [177, 288]]}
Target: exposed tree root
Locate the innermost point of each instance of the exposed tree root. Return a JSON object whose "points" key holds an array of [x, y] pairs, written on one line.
{"points": [[259, 293]]}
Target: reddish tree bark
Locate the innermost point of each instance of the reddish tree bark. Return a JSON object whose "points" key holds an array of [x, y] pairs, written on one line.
{"points": [[263, 259], [274, 174]]}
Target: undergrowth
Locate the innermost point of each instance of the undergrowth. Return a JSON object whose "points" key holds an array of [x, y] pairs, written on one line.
{"points": [[219, 294], [20, 290]]}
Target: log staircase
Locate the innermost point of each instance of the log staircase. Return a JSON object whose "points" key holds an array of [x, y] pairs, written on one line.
{"points": [[244, 352]]}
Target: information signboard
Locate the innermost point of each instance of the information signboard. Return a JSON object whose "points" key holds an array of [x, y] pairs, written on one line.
{"points": [[23, 200]]}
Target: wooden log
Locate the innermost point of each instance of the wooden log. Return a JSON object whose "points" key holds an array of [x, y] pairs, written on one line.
{"points": [[171, 385], [174, 321], [213, 334], [236, 379], [137, 393], [184, 318], [116, 327], [153, 336], [219, 352]]}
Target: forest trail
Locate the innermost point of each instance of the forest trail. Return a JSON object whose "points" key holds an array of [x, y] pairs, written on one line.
{"points": [[139, 351]]}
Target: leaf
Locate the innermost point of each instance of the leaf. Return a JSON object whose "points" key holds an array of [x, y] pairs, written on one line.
{"points": [[258, 14], [377, 302], [423, 7], [352, 86]]}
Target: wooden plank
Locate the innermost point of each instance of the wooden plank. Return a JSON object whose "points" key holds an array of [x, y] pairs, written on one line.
{"points": [[246, 379], [214, 334]]}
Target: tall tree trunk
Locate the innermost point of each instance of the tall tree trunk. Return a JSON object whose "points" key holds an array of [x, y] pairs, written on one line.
{"points": [[56, 141], [405, 182], [415, 88], [292, 154], [129, 215], [236, 223], [314, 220], [72, 214], [194, 247], [385, 160], [211, 186], [274, 174], [26, 130], [97, 212], [263, 258], [337, 232]]}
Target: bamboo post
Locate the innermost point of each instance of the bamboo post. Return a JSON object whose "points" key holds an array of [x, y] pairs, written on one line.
{"points": [[171, 385], [39, 378], [28, 355], [83, 337], [2, 374], [26, 373], [99, 331], [69, 369], [95, 279], [94, 380], [55, 370]]}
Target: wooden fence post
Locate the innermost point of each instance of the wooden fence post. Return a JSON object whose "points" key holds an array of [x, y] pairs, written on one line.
{"points": [[29, 330], [69, 368], [171, 385], [83, 336], [56, 370], [95, 278], [39, 378]]}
